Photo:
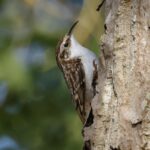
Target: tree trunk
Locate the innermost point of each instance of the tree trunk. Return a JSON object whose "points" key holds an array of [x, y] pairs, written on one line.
{"points": [[121, 108]]}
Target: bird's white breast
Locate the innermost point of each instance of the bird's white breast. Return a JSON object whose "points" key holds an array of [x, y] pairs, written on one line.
{"points": [[87, 57]]}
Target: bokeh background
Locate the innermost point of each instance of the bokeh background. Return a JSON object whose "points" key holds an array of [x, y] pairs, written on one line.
{"points": [[36, 111]]}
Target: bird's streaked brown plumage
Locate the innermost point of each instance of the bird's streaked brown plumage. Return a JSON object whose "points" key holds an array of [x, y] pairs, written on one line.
{"points": [[77, 64]]}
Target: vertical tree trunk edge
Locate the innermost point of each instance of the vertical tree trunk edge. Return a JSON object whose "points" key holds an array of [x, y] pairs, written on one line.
{"points": [[121, 108]]}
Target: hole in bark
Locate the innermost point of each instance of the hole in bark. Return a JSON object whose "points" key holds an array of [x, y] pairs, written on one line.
{"points": [[136, 124], [105, 26], [90, 118], [87, 145], [114, 148]]}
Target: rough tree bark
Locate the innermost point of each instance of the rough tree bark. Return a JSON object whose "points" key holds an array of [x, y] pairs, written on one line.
{"points": [[121, 108]]}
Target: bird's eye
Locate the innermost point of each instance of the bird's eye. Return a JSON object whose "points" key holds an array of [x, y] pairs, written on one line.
{"points": [[66, 45]]}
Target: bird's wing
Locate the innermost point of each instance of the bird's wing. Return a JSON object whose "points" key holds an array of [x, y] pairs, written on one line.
{"points": [[75, 78]]}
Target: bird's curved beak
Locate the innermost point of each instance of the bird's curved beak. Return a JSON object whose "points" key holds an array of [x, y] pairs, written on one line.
{"points": [[72, 27]]}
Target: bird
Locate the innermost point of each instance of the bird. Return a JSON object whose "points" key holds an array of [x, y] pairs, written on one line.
{"points": [[80, 69]]}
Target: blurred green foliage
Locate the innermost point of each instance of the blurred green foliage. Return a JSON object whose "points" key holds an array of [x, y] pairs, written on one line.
{"points": [[36, 112]]}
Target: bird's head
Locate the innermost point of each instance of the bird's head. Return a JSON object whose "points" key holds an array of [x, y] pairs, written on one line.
{"points": [[64, 47]]}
